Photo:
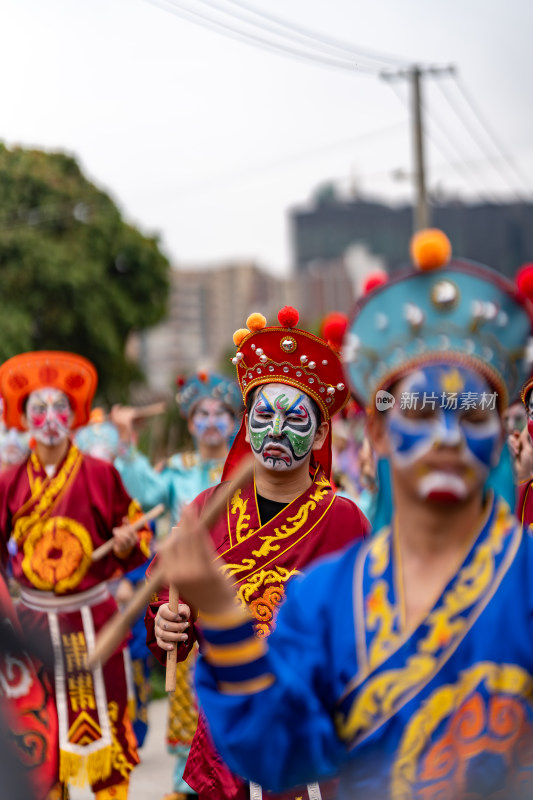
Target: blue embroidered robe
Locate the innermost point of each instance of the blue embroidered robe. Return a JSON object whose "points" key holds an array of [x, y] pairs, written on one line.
{"points": [[444, 711]]}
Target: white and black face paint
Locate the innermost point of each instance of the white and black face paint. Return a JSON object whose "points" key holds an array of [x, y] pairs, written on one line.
{"points": [[282, 426]]}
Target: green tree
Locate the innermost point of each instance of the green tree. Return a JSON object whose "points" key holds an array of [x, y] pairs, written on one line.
{"points": [[73, 275]]}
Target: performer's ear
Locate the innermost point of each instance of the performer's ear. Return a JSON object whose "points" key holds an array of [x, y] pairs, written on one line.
{"points": [[24, 420], [246, 435], [320, 435], [376, 429]]}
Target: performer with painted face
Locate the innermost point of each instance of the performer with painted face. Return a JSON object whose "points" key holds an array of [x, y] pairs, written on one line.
{"points": [[58, 507], [416, 681], [292, 384], [212, 406]]}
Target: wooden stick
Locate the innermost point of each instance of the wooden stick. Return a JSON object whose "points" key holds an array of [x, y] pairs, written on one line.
{"points": [[172, 655], [150, 410], [107, 547], [116, 629]]}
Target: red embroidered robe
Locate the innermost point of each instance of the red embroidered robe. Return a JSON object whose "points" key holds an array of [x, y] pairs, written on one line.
{"points": [[55, 524], [260, 560]]}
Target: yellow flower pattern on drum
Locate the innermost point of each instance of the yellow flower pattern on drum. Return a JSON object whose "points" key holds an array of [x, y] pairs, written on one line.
{"points": [[57, 554]]}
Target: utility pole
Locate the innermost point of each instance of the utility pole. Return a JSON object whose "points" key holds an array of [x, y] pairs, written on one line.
{"points": [[414, 75]]}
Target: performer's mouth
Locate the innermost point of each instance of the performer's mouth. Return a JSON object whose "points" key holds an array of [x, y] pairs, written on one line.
{"points": [[279, 453]]}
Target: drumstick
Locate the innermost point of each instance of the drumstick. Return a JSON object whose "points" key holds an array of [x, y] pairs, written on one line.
{"points": [[106, 547], [116, 629], [150, 411], [172, 655]]}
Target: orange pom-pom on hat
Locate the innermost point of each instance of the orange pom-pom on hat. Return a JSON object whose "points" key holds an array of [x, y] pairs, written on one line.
{"points": [[97, 416], [239, 335], [430, 249], [288, 317], [256, 321], [524, 280], [334, 327]]}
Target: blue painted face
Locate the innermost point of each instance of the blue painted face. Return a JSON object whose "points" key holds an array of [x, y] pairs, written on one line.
{"points": [[211, 422], [445, 406]]}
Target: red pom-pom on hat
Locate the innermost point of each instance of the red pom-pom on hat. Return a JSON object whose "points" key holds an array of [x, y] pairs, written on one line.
{"points": [[374, 279], [203, 376], [288, 317], [524, 280], [180, 381], [333, 328]]}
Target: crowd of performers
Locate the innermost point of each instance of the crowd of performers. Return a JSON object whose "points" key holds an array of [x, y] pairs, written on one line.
{"points": [[357, 623]]}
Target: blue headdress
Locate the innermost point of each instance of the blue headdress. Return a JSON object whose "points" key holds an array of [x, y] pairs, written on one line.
{"points": [[444, 311], [205, 384]]}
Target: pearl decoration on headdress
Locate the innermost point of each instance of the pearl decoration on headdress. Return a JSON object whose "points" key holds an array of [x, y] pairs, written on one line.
{"points": [[414, 315], [381, 321], [331, 390], [352, 343], [311, 365]]}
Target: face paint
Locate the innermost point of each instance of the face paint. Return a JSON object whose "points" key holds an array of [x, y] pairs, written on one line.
{"points": [[515, 418], [211, 422], [13, 447], [281, 426], [49, 416], [453, 413]]}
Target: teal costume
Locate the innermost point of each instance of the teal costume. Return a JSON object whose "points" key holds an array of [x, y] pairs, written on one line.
{"points": [[182, 478]]}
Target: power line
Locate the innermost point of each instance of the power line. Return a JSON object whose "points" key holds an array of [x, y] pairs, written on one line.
{"points": [[301, 32], [474, 108], [290, 158], [206, 21], [442, 149], [475, 136]]}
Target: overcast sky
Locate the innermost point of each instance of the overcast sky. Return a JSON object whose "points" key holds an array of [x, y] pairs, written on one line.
{"points": [[208, 141]]}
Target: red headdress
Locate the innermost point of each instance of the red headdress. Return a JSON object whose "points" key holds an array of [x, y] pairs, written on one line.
{"points": [[68, 372], [289, 355]]}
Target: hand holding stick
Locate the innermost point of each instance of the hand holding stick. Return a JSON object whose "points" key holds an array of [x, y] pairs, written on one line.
{"points": [[172, 655], [118, 626], [107, 547]]}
